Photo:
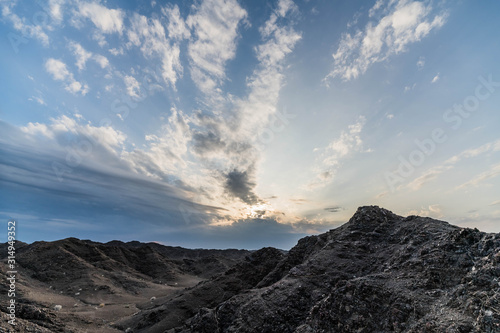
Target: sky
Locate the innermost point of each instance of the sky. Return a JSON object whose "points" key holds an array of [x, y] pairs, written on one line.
{"points": [[244, 124]]}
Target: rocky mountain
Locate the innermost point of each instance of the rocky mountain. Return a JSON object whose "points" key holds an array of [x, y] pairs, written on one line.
{"points": [[97, 283], [379, 272]]}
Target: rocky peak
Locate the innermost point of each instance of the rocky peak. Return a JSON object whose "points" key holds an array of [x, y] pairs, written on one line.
{"points": [[372, 215]]}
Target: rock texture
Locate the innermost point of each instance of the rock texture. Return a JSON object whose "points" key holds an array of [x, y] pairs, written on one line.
{"points": [[379, 272], [76, 285]]}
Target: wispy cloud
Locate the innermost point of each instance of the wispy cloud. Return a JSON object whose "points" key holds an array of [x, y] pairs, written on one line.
{"points": [[331, 157], [177, 28], [38, 99], [63, 127], [80, 53], [449, 164], [435, 78], [399, 24], [133, 87], [149, 35], [56, 10], [20, 24], [421, 63], [215, 31], [82, 56], [493, 172], [267, 79], [60, 72], [165, 155]]}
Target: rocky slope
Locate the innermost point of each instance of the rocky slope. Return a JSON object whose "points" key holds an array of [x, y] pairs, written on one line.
{"points": [[379, 272], [97, 284]]}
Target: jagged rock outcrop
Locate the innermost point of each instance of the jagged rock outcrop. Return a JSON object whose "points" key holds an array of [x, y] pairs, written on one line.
{"points": [[379, 272]]}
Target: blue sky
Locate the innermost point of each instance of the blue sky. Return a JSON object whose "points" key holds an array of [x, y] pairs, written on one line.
{"points": [[224, 123]]}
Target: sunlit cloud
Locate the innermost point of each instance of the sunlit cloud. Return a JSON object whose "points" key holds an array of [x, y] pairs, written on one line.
{"points": [[398, 25]]}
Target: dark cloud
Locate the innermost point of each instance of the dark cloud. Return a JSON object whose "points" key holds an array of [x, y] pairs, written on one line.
{"points": [[103, 201], [207, 142], [37, 180], [238, 185], [334, 209]]}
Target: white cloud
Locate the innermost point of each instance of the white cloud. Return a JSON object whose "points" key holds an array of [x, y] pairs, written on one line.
{"points": [[166, 152], [80, 53], [101, 60], [115, 51], [405, 22], [82, 56], [55, 8], [98, 36], [435, 79], [37, 99], [215, 25], [375, 8], [177, 28], [58, 69], [149, 35], [203, 149], [133, 87], [389, 116], [60, 72], [104, 136], [27, 30], [331, 157], [35, 129], [267, 80], [105, 19]]}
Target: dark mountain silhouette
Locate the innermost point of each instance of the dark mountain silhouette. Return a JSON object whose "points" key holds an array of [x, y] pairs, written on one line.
{"points": [[379, 272]]}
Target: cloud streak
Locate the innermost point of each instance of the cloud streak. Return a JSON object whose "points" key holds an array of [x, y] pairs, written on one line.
{"points": [[433, 173], [329, 162], [51, 160], [399, 24], [215, 30]]}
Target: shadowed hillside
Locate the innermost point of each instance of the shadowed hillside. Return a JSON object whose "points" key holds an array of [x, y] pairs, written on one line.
{"points": [[379, 272]]}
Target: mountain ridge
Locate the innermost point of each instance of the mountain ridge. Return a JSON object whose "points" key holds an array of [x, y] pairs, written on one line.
{"points": [[379, 272]]}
